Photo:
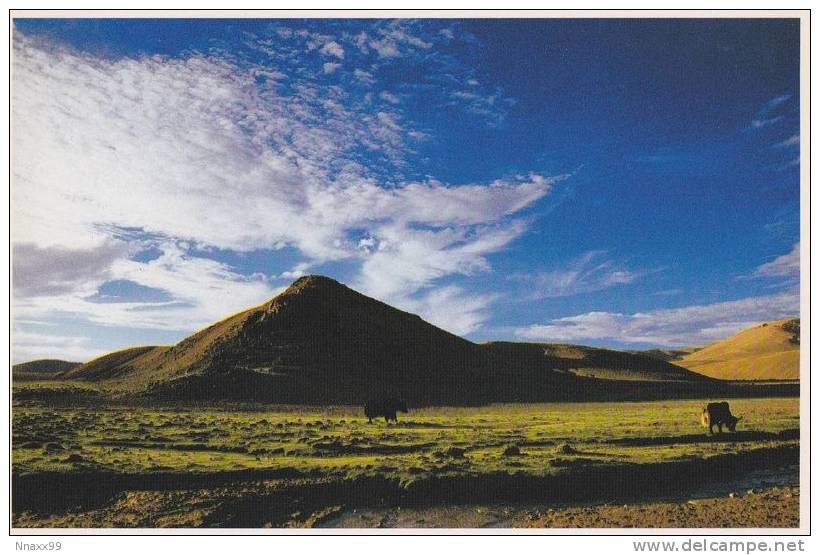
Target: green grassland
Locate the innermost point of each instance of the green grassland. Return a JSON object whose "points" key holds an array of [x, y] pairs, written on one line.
{"points": [[340, 440], [101, 465]]}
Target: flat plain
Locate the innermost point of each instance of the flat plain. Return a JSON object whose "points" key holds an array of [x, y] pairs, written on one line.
{"points": [[98, 465]]}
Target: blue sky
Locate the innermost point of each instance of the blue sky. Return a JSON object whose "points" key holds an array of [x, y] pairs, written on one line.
{"points": [[629, 183]]}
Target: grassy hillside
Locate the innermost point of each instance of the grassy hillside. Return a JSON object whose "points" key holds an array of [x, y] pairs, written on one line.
{"points": [[769, 351], [40, 369], [669, 355], [591, 362], [122, 363]]}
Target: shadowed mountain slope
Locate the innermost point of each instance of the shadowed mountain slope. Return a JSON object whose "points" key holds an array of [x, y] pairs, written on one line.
{"points": [[41, 369], [605, 364], [322, 342], [769, 351]]}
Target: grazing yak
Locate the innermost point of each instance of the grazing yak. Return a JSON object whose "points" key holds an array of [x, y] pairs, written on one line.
{"points": [[384, 407], [718, 414]]}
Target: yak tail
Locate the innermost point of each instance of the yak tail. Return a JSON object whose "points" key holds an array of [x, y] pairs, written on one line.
{"points": [[704, 419]]}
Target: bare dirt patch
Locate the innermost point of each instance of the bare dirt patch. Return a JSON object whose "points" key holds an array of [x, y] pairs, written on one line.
{"points": [[777, 507]]}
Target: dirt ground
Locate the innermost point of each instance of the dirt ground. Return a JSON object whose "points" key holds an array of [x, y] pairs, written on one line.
{"points": [[764, 499], [777, 507]]}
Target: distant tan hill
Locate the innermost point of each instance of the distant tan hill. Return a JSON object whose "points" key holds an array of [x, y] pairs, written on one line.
{"points": [[769, 351], [669, 355]]}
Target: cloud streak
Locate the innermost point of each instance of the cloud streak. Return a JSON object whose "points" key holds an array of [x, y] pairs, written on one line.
{"points": [[588, 273], [786, 266], [765, 117], [686, 326]]}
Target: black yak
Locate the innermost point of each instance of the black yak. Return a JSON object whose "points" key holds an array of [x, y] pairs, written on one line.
{"points": [[718, 414], [384, 407]]}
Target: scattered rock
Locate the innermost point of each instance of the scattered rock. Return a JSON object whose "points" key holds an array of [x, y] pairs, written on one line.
{"points": [[512, 451]]}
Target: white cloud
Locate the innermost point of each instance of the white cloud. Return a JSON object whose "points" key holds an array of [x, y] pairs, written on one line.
{"points": [[407, 259], [203, 291], [686, 326], [763, 117], [32, 346], [794, 140], [364, 76], [197, 149], [784, 266], [386, 48], [763, 122], [333, 48], [385, 43], [55, 270], [296, 272], [389, 97], [586, 274], [447, 33], [775, 102], [394, 40], [450, 308], [178, 148], [330, 67]]}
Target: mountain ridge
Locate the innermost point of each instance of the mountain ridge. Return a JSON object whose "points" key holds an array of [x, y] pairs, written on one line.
{"points": [[320, 341]]}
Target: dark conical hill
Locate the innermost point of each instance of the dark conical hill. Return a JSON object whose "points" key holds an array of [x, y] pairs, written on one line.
{"points": [[320, 342]]}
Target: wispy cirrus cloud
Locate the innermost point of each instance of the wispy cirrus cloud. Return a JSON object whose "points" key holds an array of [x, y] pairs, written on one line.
{"points": [[757, 123], [362, 53], [765, 116], [794, 140], [211, 151], [785, 268], [685, 326], [588, 273]]}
